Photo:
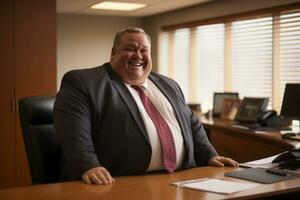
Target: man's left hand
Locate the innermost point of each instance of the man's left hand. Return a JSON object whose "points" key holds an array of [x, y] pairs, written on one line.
{"points": [[221, 161]]}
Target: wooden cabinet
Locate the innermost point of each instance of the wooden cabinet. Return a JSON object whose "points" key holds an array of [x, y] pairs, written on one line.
{"points": [[27, 68]]}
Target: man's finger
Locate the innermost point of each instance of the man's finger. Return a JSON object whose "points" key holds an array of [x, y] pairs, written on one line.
{"points": [[95, 179], [86, 179], [100, 175]]}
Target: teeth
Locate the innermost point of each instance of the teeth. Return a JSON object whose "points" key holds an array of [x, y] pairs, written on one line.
{"points": [[135, 64]]}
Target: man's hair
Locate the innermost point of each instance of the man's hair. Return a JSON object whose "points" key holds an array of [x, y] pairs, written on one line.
{"points": [[119, 35]]}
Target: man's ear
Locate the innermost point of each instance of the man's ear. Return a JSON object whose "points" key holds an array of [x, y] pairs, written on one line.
{"points": [[113, 53]]}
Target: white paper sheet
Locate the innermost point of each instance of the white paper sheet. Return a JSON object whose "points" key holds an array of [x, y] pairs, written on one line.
{"points": [[216, 185], [261, 163]]}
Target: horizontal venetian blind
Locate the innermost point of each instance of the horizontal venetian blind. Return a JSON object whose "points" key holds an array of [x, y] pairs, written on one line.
{"points": [[251, 59], [181, 60], [210, 42], [163, 42], [289, 51]]}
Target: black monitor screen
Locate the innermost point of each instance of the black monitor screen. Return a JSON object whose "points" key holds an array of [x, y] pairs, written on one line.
{"points": [[291, 101]]}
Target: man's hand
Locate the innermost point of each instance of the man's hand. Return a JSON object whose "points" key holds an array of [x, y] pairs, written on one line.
{"points": [[221, 161], [98, 176]]}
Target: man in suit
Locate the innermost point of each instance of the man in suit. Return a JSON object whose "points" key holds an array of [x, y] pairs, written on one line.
{"points": [[106, 129]]}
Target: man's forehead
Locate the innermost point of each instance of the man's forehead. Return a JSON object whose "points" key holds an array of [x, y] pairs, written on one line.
{"points": [[132, 37]]}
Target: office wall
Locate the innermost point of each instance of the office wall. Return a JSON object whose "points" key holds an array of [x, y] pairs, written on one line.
{"points": [[209, 10], [85, 41]]}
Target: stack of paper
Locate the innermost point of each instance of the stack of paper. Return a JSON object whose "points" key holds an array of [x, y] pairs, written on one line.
{"points": [[216, 185], [265, 163]]}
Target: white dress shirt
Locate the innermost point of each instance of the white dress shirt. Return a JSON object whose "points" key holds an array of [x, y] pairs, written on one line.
{"points": [[166, 110]]}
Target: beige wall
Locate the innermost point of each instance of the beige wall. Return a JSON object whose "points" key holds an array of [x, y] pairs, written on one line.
{"points": [[85, 41], [209, 10]]}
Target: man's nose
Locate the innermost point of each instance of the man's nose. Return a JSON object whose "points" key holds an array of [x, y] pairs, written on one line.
{"points": [[138, 54]]}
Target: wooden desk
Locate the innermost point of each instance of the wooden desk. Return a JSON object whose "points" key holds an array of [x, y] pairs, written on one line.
{"points": [[244, 145], [149, 187]]}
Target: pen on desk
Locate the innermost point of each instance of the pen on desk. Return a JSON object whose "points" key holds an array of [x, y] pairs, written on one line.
{"points": [[277, 172]]}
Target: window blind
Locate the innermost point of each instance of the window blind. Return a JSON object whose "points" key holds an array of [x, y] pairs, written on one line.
{"points": [[163, 42], [181, 60], [251, 60], [255, 57], [210, 61], [289, 56]]}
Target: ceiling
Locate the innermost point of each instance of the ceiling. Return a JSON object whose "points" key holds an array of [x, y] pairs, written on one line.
{"points": [[153, 7]]}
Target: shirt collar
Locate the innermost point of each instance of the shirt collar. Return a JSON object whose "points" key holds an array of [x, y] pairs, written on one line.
{"points": [[145, 84]]}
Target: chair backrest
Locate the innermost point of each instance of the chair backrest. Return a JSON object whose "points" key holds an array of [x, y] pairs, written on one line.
{"points": [[41, 143]]}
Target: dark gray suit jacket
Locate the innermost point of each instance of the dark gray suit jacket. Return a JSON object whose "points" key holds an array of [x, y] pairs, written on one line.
{"points": [[99, 124]]}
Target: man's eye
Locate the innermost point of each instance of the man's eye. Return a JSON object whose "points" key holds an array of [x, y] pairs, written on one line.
{"points": [[129, 49], [144, 51]]}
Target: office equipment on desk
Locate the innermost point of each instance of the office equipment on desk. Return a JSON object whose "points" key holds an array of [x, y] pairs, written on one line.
{"points": [[289, 160], [250, 108], [290, 108], [215, 185], [252, 115], [218, 101], [290, 104], [276, 168], [260, 175]]}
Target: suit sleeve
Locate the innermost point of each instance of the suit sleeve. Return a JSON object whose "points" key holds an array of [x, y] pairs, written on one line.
{"points": [[72, 122], [203, 149]]}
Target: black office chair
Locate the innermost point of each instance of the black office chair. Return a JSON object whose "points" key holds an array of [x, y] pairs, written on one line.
{"points": [[41, 143]]}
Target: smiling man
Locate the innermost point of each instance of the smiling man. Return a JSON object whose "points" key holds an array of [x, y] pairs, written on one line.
{"points": [[121, 118]]}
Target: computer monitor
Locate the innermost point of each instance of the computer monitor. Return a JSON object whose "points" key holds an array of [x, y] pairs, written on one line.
{"points": [[218, 101], [290, 107]]}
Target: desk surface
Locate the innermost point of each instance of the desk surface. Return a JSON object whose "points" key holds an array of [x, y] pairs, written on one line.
{"points": [[146, 187]]}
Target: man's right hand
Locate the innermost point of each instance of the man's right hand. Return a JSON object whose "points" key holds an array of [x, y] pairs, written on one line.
{"points": [[98, 176]]}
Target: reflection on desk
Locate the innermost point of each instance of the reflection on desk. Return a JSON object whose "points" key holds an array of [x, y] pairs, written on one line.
{"points": [[148, 187]]}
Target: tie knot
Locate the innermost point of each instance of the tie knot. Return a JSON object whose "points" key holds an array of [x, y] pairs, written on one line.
{"points": [[138, 88]]}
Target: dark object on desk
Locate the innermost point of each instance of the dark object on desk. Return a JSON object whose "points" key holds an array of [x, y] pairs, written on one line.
{"points": [[289, 160], [258, 127], [288, 155], [278, 121], [290, 104], [258, 175], [293, 164], [263, 117], [218, 101], [250, 109], [288, 135], [277, 171], [41, 143]]}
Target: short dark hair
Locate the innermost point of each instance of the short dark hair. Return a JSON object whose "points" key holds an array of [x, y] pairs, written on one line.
{"points": [[119, 35]]}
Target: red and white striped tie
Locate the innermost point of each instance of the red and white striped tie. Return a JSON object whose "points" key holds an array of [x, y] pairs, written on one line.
{"points": [[163, 130]]}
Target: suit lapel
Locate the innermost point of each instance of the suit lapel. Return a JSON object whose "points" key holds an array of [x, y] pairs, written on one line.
{"points": [[172, 97], [128, 99]]}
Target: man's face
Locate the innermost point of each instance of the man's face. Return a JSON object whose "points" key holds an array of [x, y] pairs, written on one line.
{"points": [[131, 59]]}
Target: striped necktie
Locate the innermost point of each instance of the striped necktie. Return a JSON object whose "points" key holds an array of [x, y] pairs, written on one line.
{"points": [[163, 130]]}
